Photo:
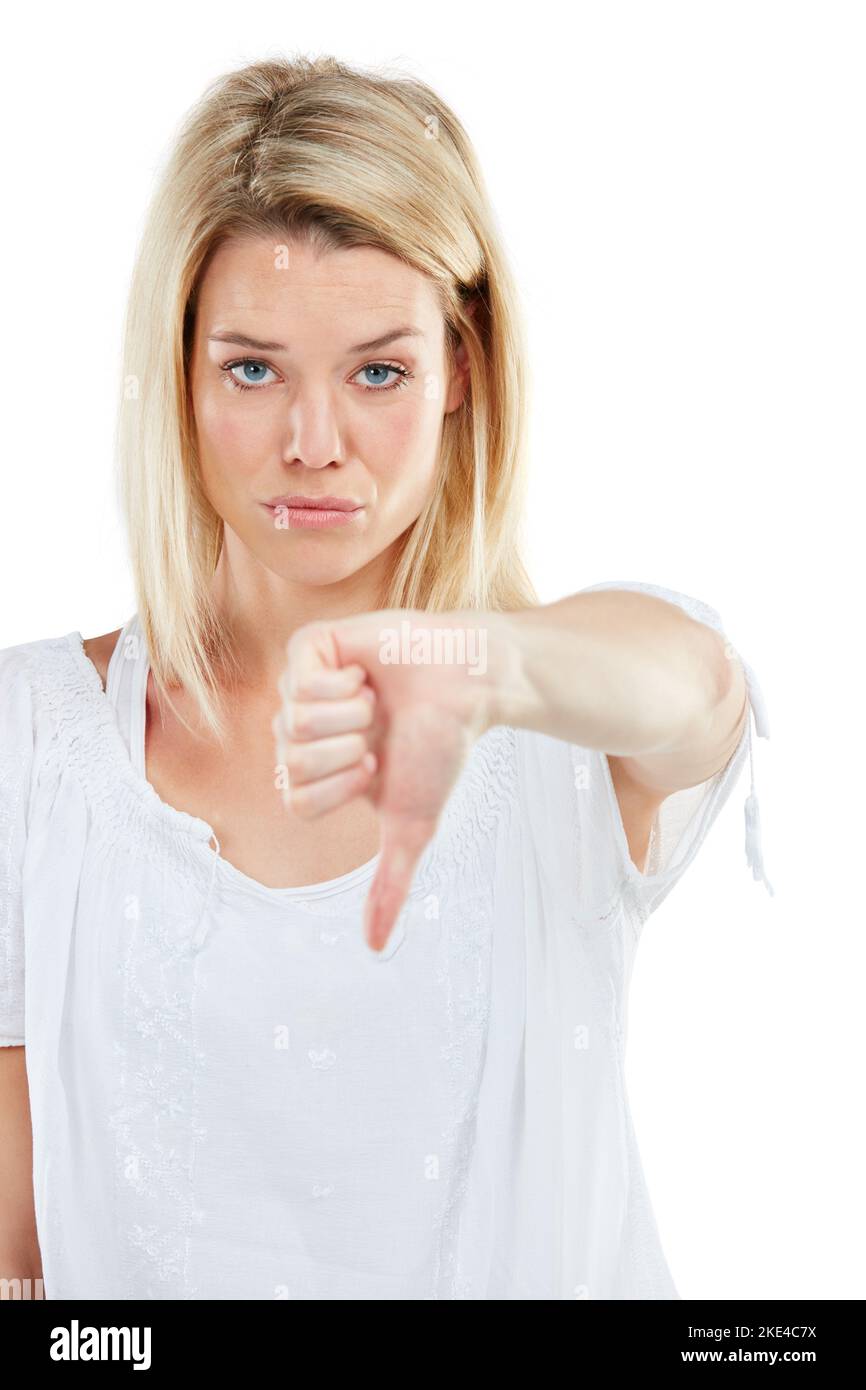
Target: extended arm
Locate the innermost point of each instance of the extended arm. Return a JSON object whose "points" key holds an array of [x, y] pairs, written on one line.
{"points": [[627, 673]]}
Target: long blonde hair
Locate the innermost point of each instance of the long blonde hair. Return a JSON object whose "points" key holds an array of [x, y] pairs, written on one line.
{"points": [[345, 157]]}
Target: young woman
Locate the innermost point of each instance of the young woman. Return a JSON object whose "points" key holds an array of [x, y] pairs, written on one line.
{"points": [[322, 878]]}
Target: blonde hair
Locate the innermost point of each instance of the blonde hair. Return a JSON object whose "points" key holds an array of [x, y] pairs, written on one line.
{"points": [[344, 157]]}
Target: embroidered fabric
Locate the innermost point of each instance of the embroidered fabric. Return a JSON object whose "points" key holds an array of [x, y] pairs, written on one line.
{"points": [[160, 892], [232, 1097], [683, 817]]}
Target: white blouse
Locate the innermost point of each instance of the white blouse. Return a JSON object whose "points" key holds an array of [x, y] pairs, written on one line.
{"points": [[232, 1097]]}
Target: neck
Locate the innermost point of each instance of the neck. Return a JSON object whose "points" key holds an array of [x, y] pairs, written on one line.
{"points": [[260, 610]]}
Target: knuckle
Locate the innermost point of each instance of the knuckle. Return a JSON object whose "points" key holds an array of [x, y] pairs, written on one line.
{"points": [[358, 746], [301, 802], [297, 719], [295, 761]]}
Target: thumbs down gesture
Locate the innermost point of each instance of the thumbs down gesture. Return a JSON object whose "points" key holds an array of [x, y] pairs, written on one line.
{"points": [[385, 705]]}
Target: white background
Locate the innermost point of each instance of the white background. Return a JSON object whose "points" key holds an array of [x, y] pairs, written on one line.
{"points": [[681, 190]]}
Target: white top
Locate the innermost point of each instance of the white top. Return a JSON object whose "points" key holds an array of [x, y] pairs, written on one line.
{"points": [[232, 1097]]}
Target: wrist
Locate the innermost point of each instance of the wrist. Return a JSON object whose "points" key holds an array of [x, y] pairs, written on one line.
{"points": [[512, 697]]}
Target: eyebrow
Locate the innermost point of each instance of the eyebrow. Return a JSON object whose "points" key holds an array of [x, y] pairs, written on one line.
{"points": [[243, 340]]}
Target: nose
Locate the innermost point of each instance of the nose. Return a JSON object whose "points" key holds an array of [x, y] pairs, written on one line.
{"points": [[313, 436]]}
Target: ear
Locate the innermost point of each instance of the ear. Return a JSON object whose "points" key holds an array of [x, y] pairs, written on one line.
{"points": [[460, 379]]}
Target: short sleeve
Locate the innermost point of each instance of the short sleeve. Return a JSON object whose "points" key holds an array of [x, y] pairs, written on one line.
{"points": [[684, 818], [16, 756]]}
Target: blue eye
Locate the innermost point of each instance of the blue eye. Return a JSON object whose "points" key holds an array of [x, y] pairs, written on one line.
{"points": [[247, 365], [402, 375], [254, 371]]}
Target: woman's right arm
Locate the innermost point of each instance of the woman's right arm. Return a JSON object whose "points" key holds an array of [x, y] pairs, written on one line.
{"points": [[20, 1257]]}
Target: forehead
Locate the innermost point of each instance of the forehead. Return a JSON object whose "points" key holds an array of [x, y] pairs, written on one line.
{"points": [[267, 278]]}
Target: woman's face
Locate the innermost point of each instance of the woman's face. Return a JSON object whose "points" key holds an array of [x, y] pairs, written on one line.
{"points": [[313, 377]]}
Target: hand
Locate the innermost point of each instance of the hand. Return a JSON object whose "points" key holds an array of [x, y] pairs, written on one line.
{"points": [[361, 718]]}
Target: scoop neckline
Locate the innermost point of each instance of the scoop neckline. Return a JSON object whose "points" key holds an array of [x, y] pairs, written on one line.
{"points": [[199, 829]]}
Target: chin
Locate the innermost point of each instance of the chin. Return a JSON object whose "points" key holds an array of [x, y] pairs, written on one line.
{"points": [[314, 570]]}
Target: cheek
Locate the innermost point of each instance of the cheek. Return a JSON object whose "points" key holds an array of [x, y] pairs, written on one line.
{"points": [[230, 440], [403, 445]]}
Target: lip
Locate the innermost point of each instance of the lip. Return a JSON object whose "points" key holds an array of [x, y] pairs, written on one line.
{"points": [[312, 513], [320, 504]]}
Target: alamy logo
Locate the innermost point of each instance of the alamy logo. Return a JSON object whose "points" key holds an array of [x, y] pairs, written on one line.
{"points": [[102, 1344], [21, 1288], [443, 646]]}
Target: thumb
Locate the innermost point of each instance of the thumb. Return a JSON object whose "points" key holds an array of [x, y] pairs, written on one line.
{"points": [[403, 843], [311, 655]]}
